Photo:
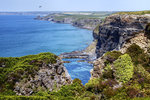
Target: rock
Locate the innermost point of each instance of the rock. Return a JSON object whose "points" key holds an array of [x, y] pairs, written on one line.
{"points": [[66, 61], [81, 61], [60, 70], [2, 66], [75, 54], [48, 76], [140, 40], [116, 30]]}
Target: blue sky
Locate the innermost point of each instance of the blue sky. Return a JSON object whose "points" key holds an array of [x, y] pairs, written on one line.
{"points": [[74, 5]]}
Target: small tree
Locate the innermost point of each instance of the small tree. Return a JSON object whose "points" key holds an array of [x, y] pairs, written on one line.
{"points": [[123, 67]]}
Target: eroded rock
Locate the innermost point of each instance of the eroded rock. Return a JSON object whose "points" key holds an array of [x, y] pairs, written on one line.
{"points": [[49, 77]]}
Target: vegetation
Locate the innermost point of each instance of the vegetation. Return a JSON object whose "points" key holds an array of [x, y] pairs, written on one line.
{"points": [[80, 15], [23, 98], [135, 12], [138, 56], [111, 56], [124, 77], [123, 68], [96, 30], [17, 68]]}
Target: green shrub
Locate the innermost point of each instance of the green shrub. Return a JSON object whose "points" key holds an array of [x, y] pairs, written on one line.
{"points": [[23, 98], [123, 68], [92, 85], [87, 96], [111, 56], [75, 89], [134, 51], [108, 72], [76, 80], [95, 85], [109, 92], [144, 98], [138, 56]]}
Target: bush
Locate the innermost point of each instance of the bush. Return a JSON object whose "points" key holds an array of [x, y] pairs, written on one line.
{"points": [[75, 89], [111, 56], [108, 72], [93, 85], [23, 98], [76, 80], [109, 92], [138, 56], [132, 92], [123, 68]]}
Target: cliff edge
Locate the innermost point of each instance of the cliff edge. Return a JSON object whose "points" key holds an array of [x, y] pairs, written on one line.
{"points": [[116, 30]]}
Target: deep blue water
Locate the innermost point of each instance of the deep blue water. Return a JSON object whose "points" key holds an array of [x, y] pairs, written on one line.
{"points": [[22, 35]]}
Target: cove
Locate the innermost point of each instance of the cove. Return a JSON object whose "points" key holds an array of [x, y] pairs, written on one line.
{"points": [[22, 35]]}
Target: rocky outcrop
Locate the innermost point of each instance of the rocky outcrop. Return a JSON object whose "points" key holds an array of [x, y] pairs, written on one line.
{"points": [[140, 39], [98, 66], [87, 23], [75, 54], [87, 54], [49, 77], [116, 30]]}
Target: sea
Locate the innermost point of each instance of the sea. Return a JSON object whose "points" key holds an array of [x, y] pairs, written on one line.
{"points": [[21, 35]]}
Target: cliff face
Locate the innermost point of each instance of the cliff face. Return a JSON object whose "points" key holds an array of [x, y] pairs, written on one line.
{"points": [[116, 30], [119, 32], [86, 23]]}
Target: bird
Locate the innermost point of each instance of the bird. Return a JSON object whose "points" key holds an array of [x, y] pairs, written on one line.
{"points": [[40, 6]]}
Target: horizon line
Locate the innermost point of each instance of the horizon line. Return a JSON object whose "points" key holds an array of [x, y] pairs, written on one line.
{"points": [[77, 11]]}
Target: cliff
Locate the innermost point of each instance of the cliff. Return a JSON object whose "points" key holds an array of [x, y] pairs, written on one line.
{"points": [[122, 70], [31, 74], [86, 21], [116, 30]]}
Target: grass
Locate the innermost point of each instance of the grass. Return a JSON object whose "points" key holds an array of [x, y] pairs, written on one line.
{"points": [[135, 12], [23, 98]]}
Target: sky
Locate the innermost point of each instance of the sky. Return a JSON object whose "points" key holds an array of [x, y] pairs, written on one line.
{"points": [[74, 5]]}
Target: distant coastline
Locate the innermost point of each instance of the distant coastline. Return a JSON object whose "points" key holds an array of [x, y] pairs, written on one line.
{"points": [[36, 13]]}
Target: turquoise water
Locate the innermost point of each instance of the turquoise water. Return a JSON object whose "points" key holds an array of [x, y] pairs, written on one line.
{"points": [[22, 35]]}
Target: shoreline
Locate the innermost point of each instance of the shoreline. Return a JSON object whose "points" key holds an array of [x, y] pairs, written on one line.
{"points": [[81, 54]]}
